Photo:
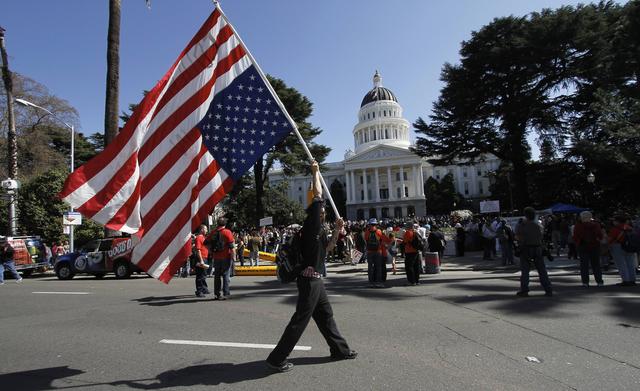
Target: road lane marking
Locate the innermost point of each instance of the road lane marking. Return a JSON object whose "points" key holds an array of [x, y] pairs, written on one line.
{"points": [[280, 295], [623, 296], [61, 293], [227, 344]]}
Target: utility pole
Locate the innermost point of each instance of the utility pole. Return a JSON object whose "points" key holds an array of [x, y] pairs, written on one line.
{"points": [[12, 144]]}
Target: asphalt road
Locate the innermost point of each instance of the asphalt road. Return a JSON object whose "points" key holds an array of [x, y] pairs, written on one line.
{"points": [[457, 331]]}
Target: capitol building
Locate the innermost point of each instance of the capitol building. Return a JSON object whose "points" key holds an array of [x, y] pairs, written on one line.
{"points": [[381, 177]]}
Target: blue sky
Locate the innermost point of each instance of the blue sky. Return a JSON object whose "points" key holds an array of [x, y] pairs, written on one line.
{"points": [[328, 50]]}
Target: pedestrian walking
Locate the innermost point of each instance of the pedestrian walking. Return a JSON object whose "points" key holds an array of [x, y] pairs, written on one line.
{"points": [[412, 264], [461, 236], [7, 262], [376, 242], [587, 235], [529, 235], [312, 297]]}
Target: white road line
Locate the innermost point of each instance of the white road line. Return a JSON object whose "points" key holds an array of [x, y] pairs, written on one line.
{"points": [[623, 296], [61, 293], [227, 344], [281, 295]]}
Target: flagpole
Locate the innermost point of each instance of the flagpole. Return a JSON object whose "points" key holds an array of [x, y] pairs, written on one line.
{"points": [[279, 102]]}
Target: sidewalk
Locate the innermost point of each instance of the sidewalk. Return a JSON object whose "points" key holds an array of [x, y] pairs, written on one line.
{"points": [[473, 261]]}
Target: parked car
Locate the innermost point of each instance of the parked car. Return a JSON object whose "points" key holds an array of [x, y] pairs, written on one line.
{"points": [[29, 253], [98, 257]]}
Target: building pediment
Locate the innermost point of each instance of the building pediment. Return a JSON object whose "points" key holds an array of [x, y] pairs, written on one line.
{"points": [[382, 152]]}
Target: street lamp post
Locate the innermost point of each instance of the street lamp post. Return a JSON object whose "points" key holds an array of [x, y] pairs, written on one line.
{"points": [[71, 165]]}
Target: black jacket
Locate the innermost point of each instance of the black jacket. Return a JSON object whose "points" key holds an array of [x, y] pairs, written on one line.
{"points": [[314, 237]]}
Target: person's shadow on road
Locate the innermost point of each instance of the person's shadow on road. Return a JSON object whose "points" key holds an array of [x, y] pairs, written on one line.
{"points": [[213, 374]]}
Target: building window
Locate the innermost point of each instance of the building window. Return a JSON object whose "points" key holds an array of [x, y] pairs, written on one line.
{"points": [[368, 178], [406, 191], [464, 172], [368, 193], [404, 174], [384, 213], [299, 188], [385, 113], [438, 175], [398, 192], [466, 188], [386, 133], [397, 176], [397, 212], [374, 135], [361, 195], [384, 194], [479, 172], [361, 179], [360, 214], [480, 187], [374, 114], [372, 213]]}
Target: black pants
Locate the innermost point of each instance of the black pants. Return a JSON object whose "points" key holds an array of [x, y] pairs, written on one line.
{"points": [[201, 281], [488, 251], [459, 248], [412, 267], [377, 269], [590, 257], [534, 254], [312, 303]]}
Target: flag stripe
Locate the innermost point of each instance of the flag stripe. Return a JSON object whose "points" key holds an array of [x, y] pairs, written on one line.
{"points": [[184, 252], [97, 164], [123, 215], [175, 225], [180, 149], [95, 204], [161, 207], [183, 111]]}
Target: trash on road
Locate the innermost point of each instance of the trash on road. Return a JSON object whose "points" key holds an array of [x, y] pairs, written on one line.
{"points": [[533, 359]]}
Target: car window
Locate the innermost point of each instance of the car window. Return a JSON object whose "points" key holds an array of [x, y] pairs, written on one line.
{"points": [[105, 245], [90, 247]]}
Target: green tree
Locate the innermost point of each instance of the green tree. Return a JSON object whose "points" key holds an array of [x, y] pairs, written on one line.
{"points": [[288, 153], [41, 210]]}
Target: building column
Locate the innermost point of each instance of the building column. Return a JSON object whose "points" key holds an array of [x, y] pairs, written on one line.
{"points": [[414, 178], [391, 195], [402, 195], [364, 185], [377, 197], [421, 181], [347, 185], [354, 198]]}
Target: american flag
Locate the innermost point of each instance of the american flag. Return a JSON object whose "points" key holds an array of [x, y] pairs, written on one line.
{"points": [[195, 133]]}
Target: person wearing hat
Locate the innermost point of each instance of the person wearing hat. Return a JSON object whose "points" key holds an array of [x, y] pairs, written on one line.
{"points": [[376, 242]]}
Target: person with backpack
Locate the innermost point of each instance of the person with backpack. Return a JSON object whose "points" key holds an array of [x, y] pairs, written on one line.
{"points": [[623, 249], [375, 245], [587, 235], [412, 246], [222, 246], [312, 297]]}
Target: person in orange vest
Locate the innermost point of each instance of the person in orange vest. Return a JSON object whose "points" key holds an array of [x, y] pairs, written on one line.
{"points": [[411, 259], [376, 252]]}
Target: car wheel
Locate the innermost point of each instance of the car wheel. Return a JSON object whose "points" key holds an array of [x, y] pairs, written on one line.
{"points": [[64, 272], [99, 276], [122, 269], [27, 273]]}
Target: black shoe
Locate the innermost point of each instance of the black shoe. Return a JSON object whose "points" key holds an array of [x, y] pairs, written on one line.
{"points": [[548, 293], [522, 294], [286, 366], [199, 294], [349, 356]]}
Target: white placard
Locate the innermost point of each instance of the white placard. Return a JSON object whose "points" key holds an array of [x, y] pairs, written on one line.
{"points": [[266, 221], [72, 218], [492, 206]]}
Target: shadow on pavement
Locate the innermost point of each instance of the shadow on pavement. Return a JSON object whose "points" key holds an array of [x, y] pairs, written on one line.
{"points": [[37, 379], [212, 374]]}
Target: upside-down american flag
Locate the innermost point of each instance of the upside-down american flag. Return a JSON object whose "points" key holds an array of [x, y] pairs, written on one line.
{"points": [[194, 134]]}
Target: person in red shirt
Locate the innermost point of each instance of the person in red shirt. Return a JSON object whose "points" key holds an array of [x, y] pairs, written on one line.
{"points": [[376, 254], [587, 234], [221, 244], [201, 253], [625, 261], [411, 260]]}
